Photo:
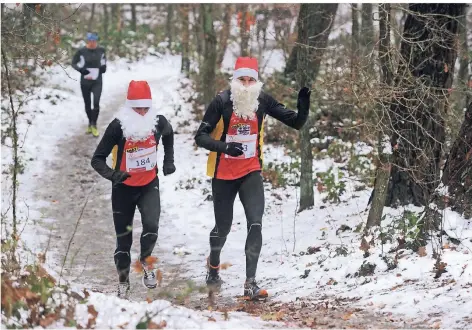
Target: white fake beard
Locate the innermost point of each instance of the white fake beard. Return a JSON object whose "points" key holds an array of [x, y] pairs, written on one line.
{"points": [[136, 127], [245, 99]]}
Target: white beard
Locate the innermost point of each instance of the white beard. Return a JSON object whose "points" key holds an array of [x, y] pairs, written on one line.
{"points": [[245, 102], [136, 127]]}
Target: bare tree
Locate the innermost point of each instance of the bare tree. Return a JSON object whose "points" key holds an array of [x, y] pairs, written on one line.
{"points": [[133, 17], [367, 27], [424, 75], [464, 60], [92, 14], [457, 175], [106, 21], [355, 39], [225, 33], [184, 11], [314, 25], [209, 63], [170, 23], [383, 169], [244, 32]]}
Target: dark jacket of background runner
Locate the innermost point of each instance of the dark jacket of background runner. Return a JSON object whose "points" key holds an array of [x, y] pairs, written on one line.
{"points": [[90, 58]]}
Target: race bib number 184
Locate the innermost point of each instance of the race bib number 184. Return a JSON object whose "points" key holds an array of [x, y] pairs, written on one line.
{"points": [[142, 160]]}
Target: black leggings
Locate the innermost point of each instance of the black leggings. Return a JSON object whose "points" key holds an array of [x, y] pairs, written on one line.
{"points": [[94, 88], [124, 200], [251, 193]]}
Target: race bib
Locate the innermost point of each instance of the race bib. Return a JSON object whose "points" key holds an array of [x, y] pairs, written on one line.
{"points": [[248, 142], [142, 160], [93, 75]]}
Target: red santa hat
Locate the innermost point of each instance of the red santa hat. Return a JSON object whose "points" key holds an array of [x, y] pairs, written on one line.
{"points": [[139, 94], [246, 66]]}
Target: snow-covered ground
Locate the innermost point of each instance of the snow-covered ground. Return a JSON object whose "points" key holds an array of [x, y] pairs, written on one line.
{"points": [[314, 254]]}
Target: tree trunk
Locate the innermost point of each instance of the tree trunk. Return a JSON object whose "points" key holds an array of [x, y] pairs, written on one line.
{"points": [[92, 14], [424, 75], [185, 68], [133, 17], [224, 35], [379, 193], [118, 18], [291, 65], [198, 30], [209, 62], [314, 25], [367, 28], [28, 9], [105, 21], [170, 23], [354, 40], [463, 73], [458, 169], [243, 32]]}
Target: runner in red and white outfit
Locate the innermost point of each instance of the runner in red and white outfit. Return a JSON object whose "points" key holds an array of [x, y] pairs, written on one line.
{"points": [[133, 138], [233, 130]]}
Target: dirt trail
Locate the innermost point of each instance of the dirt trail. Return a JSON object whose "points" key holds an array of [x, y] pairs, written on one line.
{"points": [[72, 181]]}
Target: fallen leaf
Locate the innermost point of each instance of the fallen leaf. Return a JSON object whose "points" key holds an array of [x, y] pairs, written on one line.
{"points": [[446, 246], [86, 293], [91, 310], [346, 316], [150, 261], [211, 319], [137, 266], [159, 276], [446, 68], [160, 325], [393, 288], [91, 321], [225, 265], [42, 257], [436, 325], [123, 326], [364, 245], [469, 154], [57, 38], [49, 319], [422, 251], [38, 8], [149, 300], [399, 275]]}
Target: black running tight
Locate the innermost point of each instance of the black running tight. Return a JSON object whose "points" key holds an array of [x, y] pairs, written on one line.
{"points": [[88, 89], [124, 200], [251, 194]]}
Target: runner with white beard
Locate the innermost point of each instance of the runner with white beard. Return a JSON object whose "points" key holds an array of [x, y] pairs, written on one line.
{"points": [[233, 129], [133, 138]]}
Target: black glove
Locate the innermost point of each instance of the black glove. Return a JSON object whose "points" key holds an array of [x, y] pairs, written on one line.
{"points": [[168, 168], [303, 103], [119, 177], [103, 69], [84, 71], [234, 149]]}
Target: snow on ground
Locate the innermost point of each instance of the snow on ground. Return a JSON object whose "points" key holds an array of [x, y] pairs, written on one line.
{"points": [[288, 271], [114, 312]]}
